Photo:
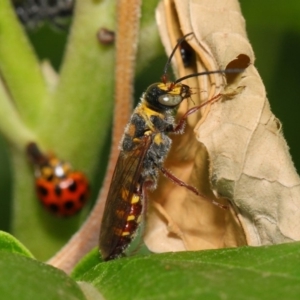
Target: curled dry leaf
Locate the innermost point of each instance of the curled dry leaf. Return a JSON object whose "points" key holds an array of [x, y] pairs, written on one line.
{"points": [[233, 150]]}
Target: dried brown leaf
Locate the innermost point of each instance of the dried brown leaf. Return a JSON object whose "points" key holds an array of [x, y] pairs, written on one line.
{"points": [[239, 153], [251, 165]]}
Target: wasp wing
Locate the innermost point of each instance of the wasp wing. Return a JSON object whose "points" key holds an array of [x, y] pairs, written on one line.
{"points": [[126, 182]]}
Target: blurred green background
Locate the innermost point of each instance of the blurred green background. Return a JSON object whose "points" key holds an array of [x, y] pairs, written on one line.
{"points": [[274, 32]]}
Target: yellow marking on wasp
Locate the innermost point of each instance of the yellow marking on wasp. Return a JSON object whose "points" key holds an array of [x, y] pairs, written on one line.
{"points": [[136, 140], [163, 86], [176, 90], [130, 218], [124, 233], [148, 132], [124, 193], [146, 113], [131, 129], [135, 199], [139, 219], [158, 139]]}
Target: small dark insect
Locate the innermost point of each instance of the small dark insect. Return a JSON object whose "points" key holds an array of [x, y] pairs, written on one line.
{"points": [[61, 190], [33, 13], [187, 54], [106, 36], [144, 147]]}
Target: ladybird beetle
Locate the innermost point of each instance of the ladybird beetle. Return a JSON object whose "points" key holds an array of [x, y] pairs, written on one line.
{"points": [[61, 190]]}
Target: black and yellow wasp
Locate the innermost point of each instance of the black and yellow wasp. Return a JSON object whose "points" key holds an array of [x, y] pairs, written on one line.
{"points": [[144, 147]]}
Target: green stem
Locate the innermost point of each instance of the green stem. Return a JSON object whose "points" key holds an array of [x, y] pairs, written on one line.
{"points": [[76, 118], [11, 126], [19, 66], [73, 122]]}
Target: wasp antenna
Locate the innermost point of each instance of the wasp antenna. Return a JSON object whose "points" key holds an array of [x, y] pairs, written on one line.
{"points": [[228, 71], [172, 54]]}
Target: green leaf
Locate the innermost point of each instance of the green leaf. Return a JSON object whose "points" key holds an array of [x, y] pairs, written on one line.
{"points": [[271, 272], [10, 244], [87, 263], [25, 278], [90, 292]]}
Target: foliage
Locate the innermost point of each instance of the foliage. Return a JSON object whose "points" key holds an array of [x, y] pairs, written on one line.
{"points": [[75, 114]]}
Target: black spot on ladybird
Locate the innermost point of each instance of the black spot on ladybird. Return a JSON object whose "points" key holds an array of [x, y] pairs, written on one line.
{"points": [[73, 186], [69, 204], [57, 190], [82, 198], [42, 190]]}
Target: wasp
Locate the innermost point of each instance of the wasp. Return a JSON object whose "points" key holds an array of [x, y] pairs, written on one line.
{"points": [[143, 149]]}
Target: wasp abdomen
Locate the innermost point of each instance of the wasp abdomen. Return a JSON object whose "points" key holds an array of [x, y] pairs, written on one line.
{"points": [[126, 222]]}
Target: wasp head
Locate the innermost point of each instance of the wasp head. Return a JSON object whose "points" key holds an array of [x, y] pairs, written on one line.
{"points": [[166, 96]]}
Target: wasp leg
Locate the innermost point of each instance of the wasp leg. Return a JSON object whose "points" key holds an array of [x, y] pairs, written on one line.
{"points": [[189, 187], [180, 126]]}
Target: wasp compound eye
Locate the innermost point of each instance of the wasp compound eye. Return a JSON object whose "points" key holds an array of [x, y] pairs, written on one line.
{"points": [[169, 100]]}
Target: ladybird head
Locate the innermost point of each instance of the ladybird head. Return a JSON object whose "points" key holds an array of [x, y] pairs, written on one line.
{"points": [[53, 170]]}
